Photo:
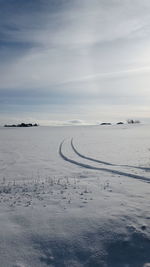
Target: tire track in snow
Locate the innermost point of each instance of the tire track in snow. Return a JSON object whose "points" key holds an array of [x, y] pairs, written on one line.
{"points": [[89, 158], [104, 162], [138, 177]]}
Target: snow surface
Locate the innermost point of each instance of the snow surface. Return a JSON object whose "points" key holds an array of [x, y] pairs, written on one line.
{"points": [[75, 196]]}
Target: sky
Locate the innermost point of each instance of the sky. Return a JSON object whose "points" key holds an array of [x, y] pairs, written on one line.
{"points": [[74, 61]]}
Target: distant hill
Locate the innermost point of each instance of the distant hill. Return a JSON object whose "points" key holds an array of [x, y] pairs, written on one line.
{"points": [[22, 125]]}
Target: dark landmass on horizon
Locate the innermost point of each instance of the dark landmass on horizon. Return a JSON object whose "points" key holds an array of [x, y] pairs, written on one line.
{"points": [[22, 125]]}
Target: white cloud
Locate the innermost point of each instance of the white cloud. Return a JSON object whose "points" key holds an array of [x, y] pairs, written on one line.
{"points": [[94, 50]]}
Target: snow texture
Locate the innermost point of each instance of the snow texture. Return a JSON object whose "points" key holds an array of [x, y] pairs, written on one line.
{"points": [[75, 196]]}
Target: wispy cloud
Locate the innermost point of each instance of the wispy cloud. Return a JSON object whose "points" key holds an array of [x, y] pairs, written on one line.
{"points": [[74, 52]]}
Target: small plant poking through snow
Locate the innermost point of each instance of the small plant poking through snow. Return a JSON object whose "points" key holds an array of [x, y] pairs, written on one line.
{"points": [[50, 189], [62, 190]]}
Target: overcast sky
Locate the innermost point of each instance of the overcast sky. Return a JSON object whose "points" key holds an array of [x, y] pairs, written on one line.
{"points": [[74, 60]]}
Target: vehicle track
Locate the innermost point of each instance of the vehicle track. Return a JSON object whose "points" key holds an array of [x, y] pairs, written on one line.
{"points": [[104, 162], [138, 177], [89, 158]]}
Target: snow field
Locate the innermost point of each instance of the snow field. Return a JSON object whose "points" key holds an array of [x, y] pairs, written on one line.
{"points": [[56, 213]]}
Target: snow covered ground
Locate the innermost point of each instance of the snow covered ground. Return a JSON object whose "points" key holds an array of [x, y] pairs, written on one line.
{"points": [[75, 196]]}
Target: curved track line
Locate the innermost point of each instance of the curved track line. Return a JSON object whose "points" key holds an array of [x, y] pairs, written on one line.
{"points": [[100, 169], [104, 162], [89, 158]]}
